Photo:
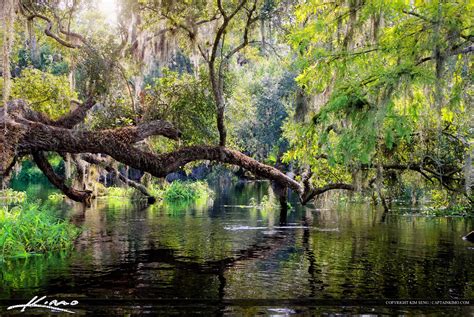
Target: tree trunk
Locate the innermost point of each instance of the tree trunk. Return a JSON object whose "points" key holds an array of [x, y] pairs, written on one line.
{"points": [[76, 195], [28, 132], [32, 43]]}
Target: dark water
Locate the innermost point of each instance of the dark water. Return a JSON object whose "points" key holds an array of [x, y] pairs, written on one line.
{"points": [[224, 257]]}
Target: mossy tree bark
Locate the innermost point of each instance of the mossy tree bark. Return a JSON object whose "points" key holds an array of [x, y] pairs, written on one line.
{"points": [[29, 132]]}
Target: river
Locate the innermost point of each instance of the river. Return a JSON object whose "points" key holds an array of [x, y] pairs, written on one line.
{"points": [[227, 257]]}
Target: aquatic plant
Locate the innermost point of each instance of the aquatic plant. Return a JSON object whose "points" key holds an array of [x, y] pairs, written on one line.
{"points": [[452, 211], [439, 203], [179, 191], [155, 190], [267, 203], [117, 197], [30, 229], [119, 191]]}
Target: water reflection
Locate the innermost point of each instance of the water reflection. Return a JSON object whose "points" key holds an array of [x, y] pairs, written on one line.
{"points": [[220, 251]]}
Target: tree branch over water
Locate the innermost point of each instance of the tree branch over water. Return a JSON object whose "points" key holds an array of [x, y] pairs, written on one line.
{"points": [[36, 135]]}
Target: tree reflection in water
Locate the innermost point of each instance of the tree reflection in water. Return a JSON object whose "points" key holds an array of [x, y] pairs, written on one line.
{"points": [[214, 254]]}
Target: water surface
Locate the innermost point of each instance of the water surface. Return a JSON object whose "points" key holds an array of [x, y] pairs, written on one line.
{"points": [[228, 257]]}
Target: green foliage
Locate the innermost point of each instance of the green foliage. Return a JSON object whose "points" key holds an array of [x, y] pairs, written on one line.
{"points": [[410, 193], [118, 197], [118, 113], [257, 107], [56, 198], [444, 204], [97, 71], [380, 83], [175, 193], [383, 93], [266, 203], [29, 229], [46, 93], [30, 173], [120, 191], [50, 60], [184, 100], [12, 196], [186, 191], [453, 211]]}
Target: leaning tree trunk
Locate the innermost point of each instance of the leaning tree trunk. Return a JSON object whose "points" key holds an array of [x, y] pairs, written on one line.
{"points": [[29, 132]]}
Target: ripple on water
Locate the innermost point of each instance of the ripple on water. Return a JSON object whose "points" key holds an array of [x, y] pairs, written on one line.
{"points": [[238, 228], [273, 228], [236, 253], [282, 310]]}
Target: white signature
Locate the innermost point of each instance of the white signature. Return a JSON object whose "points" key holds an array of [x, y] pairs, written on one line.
{"points": [[36, 302]]}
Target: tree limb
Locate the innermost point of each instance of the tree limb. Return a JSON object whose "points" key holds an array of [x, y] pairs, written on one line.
{"points": [[116, 143], [102, 162], [413, 13], [36, 136], [76, 116], [49, 33], [310, 194], [245, 41], [76, 195]]}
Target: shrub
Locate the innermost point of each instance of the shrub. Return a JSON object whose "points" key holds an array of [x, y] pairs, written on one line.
{"points": [[12, 196], [56, 198]]}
